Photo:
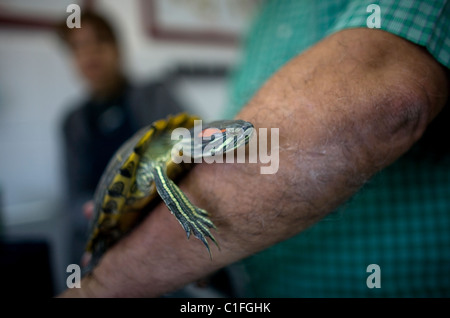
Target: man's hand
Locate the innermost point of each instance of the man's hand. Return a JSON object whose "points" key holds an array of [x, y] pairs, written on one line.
{"points": [[345, 109]]}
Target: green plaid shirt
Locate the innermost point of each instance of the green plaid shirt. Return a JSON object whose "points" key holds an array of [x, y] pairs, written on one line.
{"points": [[401, 219]]}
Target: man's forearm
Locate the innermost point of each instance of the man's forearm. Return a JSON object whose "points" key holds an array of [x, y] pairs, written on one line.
{"points": [[346, 108]]}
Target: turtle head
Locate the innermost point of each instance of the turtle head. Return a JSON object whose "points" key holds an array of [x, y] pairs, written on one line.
{"points": [[220, 137]]}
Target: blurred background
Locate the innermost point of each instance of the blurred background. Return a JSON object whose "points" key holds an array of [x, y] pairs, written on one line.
{"points": [[188, 47]]}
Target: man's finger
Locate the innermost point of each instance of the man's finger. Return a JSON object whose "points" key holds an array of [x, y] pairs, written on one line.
{"points": [[88, 209]]}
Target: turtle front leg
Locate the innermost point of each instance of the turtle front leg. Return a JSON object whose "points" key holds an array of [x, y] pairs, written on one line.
{"points": [[190, 217]]}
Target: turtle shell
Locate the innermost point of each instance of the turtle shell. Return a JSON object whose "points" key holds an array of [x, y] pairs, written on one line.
{"points": [[118, 204]]}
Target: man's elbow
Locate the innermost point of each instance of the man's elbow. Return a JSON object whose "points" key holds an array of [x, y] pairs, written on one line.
{"points": [[413, 104]]}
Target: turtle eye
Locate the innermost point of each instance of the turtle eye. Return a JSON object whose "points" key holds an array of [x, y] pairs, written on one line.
{"points": [[208, 132]]}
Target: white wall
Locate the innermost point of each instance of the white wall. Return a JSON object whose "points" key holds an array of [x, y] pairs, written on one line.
{"points": [[35, 85], [145, 56]]}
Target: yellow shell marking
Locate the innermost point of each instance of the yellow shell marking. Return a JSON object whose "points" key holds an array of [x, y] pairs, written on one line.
{"points": [[123, 202]]}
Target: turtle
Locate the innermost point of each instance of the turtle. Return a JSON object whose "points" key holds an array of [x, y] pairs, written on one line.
{"points": [[145, 168]]}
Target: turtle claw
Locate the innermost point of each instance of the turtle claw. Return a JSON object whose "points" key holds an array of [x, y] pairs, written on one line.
{"points": [[204, 225], [190, 217], [199, 224]]}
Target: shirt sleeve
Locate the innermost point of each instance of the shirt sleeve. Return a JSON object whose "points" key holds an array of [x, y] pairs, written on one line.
{"points": [[426, 23]]}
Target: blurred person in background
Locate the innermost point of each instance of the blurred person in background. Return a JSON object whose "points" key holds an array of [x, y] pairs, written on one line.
{"points": [[113, 110]]}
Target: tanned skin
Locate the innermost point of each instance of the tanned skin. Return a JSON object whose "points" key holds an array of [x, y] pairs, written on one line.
{"points": [[346, 108]]}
